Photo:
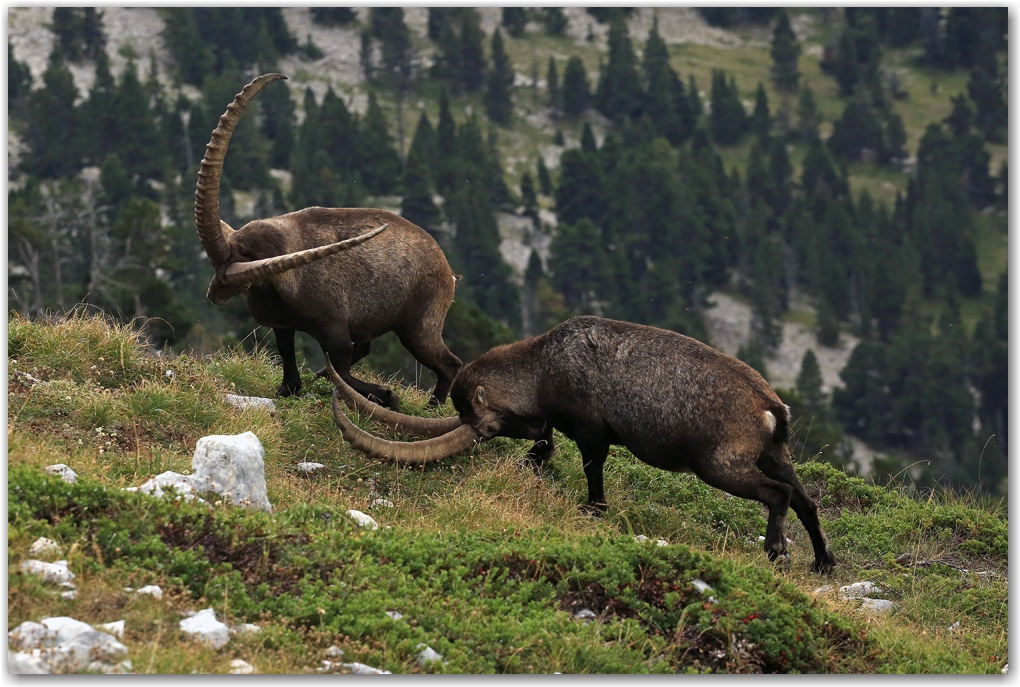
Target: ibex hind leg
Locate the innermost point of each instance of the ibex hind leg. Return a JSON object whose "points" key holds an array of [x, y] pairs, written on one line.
{"points": [[779, 466], [736, 475], [428, 348]]}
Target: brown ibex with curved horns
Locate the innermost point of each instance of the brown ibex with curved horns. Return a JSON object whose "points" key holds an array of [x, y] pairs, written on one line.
{"points": [[301, 272], [676, 403]]}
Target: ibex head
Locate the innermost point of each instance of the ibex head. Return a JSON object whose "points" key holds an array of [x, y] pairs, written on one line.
{"points": [[234, 271]]}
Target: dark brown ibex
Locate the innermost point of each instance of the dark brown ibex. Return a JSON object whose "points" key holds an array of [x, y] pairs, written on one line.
{"points": [[297, 274], [676, 403]]}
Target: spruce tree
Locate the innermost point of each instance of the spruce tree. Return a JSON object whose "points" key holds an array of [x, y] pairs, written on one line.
{"points": [[424, 145], [785, 51], [664, 98], [619, 89], [588, 144], [472, 54], [278, 123], [580, 191], [446, 169], [544, 182], [529, 198], [499, 83], [19, 77], [53, 123], [728, 120], [553, 86], [576, 90], [100, 128], [986, 88], [857, 129], [808, 117], [555, 21], [193, 55], [333, 16], [578, 261], [417, 204], [847, 71], [337, 134], [515, 19], [378, 161], [761, 120]]}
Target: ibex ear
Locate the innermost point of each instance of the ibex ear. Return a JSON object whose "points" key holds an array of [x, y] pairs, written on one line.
{"points": [[480, 396]]}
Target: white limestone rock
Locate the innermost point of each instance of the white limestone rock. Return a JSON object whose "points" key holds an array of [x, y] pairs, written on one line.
{"points": [[246, 402], [395, 615], [56, 572], [70, 595], [309, 468], [363, 519], [86, 648], [382, 503], [585, 614], [245, 629], [66, 473], [427, 655], [334, 652], [241, 667], [152, 590], [232, 465], [30, 635], [859, 590], [115, 628], [181, 485], [44, 547], [204, 627], [62, 645], [25, 663]]}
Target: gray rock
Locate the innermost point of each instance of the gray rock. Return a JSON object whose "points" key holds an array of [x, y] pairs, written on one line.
{"points": [[69, 595], [363, 519], [396, 615], [233, 466], [66, 473], [85, 649], [23, 663], [354, 668], [382, 503], [30, 635], [115, 628], [859, 590], [44, 547], [824, 589], [427, 655], [56, 572], [701, 585], [246, 402], [64, 629], [585, 614], [159, 486], [204, 627], [309, 467], [955, 627], [878, 606]]}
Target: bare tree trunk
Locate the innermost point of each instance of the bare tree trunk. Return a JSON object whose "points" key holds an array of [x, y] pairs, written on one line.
{"points": [[30, 256], [57, 275]]}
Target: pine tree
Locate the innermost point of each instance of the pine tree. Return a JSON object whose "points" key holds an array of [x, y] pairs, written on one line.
{"points": [[499, 83], [555, 21], [337, 134], [544, 182], [986, 87], [19, 77], [529, 198], [100, 127], [472, 54], [619, 89], [761, 120], [780, 187], [424, 145], [515, 19], [553, 85], [92, 34], [417, 204], [53, 123], [66, 24], [580, 271], [446, 175], [847, 71], [785, 51], [665, 100], [333, 16], [828, 325], [378, 161], [278, 123], [856, 130], [576, 90]]}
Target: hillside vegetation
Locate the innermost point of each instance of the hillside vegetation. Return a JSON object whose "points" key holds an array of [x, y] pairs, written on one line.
{"points": [[485, 560]]}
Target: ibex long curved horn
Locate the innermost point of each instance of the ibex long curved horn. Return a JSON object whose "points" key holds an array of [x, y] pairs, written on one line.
{"points": [[241, 273], [406, 453], [417, 426], [207, 192]]}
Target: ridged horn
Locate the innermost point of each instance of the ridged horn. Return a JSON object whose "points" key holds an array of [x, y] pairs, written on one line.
{"points": [[406, 453], [417, 426], [207, 191], [241, 273]]}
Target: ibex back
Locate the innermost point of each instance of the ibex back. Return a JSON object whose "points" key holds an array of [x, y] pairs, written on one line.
{"points": [[343, 275], [676, 403]]}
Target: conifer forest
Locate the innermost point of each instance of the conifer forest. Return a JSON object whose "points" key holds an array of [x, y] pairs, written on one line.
{"points": [[821, 192]]}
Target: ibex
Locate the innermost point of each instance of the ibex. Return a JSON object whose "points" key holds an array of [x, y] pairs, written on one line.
{"points": [[676, 403], [298, 273]]}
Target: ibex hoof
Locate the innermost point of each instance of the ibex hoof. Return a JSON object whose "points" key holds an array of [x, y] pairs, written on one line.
{"points": [[288, 389], [594, 509], [385, 398], [824, 566]]}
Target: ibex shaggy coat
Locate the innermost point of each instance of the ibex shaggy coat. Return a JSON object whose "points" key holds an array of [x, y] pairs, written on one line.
{"points": [[343, 275], [676, 403]]}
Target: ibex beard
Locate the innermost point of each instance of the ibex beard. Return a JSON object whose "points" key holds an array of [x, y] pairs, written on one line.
{"points": [[343, 275], [674, 402]]}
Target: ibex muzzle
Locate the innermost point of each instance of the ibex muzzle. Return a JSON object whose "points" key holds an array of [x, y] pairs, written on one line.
{"points": [[343, 275], [674, 402]]}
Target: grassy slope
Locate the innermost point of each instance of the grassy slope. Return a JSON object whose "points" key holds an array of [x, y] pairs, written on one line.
{"points": [[482, 557]]}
